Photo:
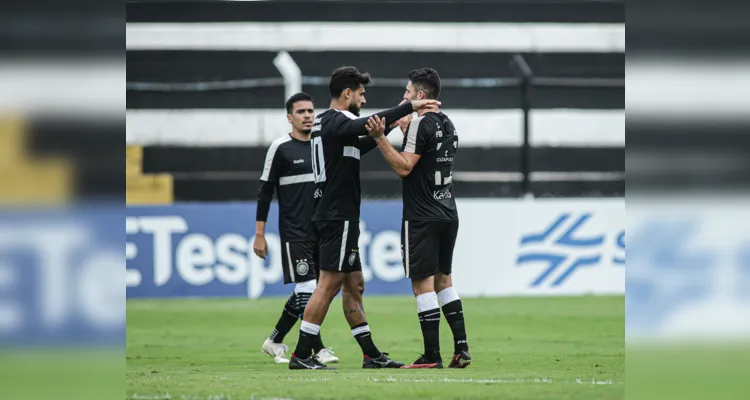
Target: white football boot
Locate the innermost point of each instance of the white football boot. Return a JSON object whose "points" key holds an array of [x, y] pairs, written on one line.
{"points": [[327, 356], [276, 350]]}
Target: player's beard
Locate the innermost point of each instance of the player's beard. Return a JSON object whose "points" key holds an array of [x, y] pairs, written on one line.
{"points": [[354, 109], [306, 131]]}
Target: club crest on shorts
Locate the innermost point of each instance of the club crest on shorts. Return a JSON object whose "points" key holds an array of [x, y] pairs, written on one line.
{"points": [[352, 258], [302, 268]]}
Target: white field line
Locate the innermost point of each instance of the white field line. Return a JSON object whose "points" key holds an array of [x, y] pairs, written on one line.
{"points": [[167, 396]]}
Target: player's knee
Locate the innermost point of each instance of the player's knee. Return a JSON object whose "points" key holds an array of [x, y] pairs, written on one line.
{"points": [[421, 286], [329, 284], [355, 283], [354, 289], [442, 282]]}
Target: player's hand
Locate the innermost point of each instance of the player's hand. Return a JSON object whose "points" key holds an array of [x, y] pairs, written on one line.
{"points": [[424, 104], [376, 126], [260, 247]]}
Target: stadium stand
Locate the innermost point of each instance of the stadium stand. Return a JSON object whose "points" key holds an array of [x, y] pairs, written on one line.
{"points": [[537, 116]]}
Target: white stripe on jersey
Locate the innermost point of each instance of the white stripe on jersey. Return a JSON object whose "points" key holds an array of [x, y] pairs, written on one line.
{"points": [[348, 114], [289, 180], [411, 135], [343, 244], [406, 247], [270, 154], [351, 151], [289, 257]]}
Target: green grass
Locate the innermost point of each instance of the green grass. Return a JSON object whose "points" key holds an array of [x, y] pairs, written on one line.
{"points": [[522, 348]]}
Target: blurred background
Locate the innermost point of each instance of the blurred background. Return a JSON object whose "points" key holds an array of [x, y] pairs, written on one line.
{"points": [[537, 90]]}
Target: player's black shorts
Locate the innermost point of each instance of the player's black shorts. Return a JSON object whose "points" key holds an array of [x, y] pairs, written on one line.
{"points": [[338, 245], [299, 260], [427, 247]]}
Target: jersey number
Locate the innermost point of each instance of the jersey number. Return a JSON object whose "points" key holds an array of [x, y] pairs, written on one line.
{"points": [[318, 161], [442, 178]]}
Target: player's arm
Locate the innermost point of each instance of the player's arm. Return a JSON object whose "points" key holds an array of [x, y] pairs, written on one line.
{"points": [[357, 127], [265, 194], [268, 181], [403, 162], [367, 143]]}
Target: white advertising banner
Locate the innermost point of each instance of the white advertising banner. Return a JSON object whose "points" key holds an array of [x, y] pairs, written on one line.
{"points": [[540, 247]]}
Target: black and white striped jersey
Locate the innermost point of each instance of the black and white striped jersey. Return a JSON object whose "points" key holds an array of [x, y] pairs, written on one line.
{"points": [[428, 189], [339, 138], [336, 167], [288, 167]]}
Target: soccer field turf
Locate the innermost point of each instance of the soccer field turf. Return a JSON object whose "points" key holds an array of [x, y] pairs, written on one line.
{"points": [[522, 348]]}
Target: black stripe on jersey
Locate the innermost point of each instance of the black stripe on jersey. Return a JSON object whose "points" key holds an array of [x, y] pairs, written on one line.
{"points": [[564, 11]]}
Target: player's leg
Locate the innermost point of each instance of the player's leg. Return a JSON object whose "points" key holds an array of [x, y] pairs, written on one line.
{"points": [[351, 296], [419, 244], [315, 312], [308, 272], [351, 300], [449, 300], [274, 346], [329, 284]]}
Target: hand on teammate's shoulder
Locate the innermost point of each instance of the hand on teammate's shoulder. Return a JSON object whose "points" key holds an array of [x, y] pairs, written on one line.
{"points": [[424, 104]]}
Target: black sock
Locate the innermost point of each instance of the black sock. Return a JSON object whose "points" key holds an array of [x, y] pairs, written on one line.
{"points": [[287, 320], [318, 344], [302, 299], [362, 333], [454, 314], [429, 321], [304, 345]]}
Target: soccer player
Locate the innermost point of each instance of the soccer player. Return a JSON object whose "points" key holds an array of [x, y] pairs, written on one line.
{"points": [[430, 217], [288, 171], [339, 138]]}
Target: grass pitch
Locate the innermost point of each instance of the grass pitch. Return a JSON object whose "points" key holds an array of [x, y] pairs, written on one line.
{"points": [[522, 348]]}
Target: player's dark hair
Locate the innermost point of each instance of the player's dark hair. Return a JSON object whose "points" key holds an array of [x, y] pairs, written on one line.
{"points": [[346, 78], [426, 80], [301, 96]]}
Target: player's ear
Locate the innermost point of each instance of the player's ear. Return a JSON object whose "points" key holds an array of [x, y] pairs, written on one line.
{"points": [[347, 93], [289, 118]]}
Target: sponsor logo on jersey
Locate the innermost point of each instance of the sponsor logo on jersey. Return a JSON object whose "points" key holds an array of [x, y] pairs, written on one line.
{"points": [[302, 268], [318, 193], [316, 120], [444, 159], [438, 195], [300, 161]]}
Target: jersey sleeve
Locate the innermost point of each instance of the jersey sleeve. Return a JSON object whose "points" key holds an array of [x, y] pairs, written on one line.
{"points": [[272, 165], [349, 127], [265, 194], [417, 137]]}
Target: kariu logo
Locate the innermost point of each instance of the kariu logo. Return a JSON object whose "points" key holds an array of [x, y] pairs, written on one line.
{"points": [[563, 248]]}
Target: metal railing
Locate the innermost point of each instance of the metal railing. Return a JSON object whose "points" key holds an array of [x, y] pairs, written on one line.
{"points": [[292, 80]]}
